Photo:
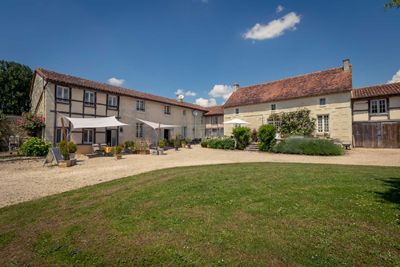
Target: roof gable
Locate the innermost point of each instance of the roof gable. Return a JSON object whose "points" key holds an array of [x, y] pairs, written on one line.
{"points": [[330, 81]]}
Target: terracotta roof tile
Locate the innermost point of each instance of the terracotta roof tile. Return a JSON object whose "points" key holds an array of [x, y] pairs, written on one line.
{"points": [[376, 90], [216, 110], [83, 83], [312, 84]]}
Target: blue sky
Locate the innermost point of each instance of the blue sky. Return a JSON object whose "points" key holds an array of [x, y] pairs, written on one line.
{"points": [[201, 46]]}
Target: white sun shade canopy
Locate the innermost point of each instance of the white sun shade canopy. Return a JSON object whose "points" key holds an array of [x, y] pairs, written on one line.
{"points": [[236, 121], [79, 123], [156, 125]]}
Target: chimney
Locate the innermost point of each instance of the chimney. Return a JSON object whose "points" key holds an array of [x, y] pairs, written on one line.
{"points": [[346, 64], [180, 98], [235, 86]]}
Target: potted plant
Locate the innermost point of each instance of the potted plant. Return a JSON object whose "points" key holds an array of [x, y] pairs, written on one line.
{"points": [[177, 144], [117, 152], [189, 142], [161, 145], [183, 143], [66, 162], [129, 147], [71, 150]]}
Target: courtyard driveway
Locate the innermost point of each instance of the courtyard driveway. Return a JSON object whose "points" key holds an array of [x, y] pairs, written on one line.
{"points": [[25, 180]]}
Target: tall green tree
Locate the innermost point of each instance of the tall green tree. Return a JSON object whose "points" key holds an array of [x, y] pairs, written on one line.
{"points": [[392, 4], [15, 82]]}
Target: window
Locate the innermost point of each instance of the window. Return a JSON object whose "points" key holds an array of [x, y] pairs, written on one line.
{"points": [[184, 132], [184, 112], [140, 105], [236, 111], [62, 93], [273, 107], [214, 120], [322, 102], [139, 130], [323, 123], [88, 136], [167, 110], [89, 98], [112, 101], [59, 134], [378, 106]]}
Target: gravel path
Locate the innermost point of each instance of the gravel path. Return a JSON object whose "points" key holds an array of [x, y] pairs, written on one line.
{"points": [[25, 180]]}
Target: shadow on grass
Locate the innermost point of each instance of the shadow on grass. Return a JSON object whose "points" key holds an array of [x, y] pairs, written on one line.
{"points": [[392, 193]]}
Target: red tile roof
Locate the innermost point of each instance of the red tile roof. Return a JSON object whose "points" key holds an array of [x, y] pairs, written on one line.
{"points": [[376, 90], [83, 83], [216, 110], [324, 82]]}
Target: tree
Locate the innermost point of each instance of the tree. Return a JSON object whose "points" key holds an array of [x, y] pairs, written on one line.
{"points": [[15, 82], [392, 4]]}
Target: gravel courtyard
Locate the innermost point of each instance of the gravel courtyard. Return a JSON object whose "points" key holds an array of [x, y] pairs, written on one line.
{"points": [[25, 180]]}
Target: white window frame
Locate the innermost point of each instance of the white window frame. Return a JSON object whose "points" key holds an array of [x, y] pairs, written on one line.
{"points": [[323, 123], [377, 103], [89, 101], [139, 130], [112, 101], [59, 133], [324, 100], [64, 93], [140, 105], [89, 136], [167, 110]]}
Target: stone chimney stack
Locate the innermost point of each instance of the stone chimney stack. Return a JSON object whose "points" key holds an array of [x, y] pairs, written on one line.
{"points": [[235, 86], [346, 64]]}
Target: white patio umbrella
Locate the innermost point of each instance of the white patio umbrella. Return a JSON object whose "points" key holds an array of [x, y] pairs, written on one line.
{"points": [[236, 121]]}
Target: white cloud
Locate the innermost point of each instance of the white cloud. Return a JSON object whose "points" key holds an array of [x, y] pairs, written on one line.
{"points": [[279, 8], [115, 81], [274, 28], [395, 78], [185, 93], [221, 90], [206, 102]]}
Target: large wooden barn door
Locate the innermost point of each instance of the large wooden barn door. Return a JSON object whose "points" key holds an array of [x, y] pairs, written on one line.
{"points": [[376, 134]]}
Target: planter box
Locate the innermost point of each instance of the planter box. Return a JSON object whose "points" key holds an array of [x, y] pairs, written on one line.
{"points": [[143, 152], [66, 163], [118, 156]]}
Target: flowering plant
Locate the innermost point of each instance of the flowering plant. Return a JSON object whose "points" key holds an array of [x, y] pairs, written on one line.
{"points": [[31, 121]]}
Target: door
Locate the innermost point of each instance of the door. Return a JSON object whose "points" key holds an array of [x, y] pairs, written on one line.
{"points": [[166, 134], [111, 137], [376, 134]]}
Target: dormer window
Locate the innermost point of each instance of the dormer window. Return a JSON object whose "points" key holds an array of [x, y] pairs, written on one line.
{"points": [[62, 93], [112, 101]]}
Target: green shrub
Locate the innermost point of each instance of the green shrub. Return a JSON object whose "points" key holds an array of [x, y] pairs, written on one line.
{"points": [[130, 145], [161, 143], [118, 150], [266, 136], [63, 146], [72, 148], [242, 136], [296, 122], [308, 146], [34, 146], [219, 143]]}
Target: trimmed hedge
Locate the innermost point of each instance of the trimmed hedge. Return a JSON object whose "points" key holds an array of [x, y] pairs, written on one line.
{"points": [[219, 143], [34, 146], [308, 146]]}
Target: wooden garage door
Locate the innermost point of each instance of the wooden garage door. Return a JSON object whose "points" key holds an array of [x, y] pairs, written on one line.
{"points": [[376, 134]]}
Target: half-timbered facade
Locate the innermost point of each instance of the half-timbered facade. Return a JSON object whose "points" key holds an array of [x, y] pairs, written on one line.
{"points": [[54, 95]]}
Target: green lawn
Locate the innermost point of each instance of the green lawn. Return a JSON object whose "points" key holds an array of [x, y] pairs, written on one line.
{"points": [[240, 214]]}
